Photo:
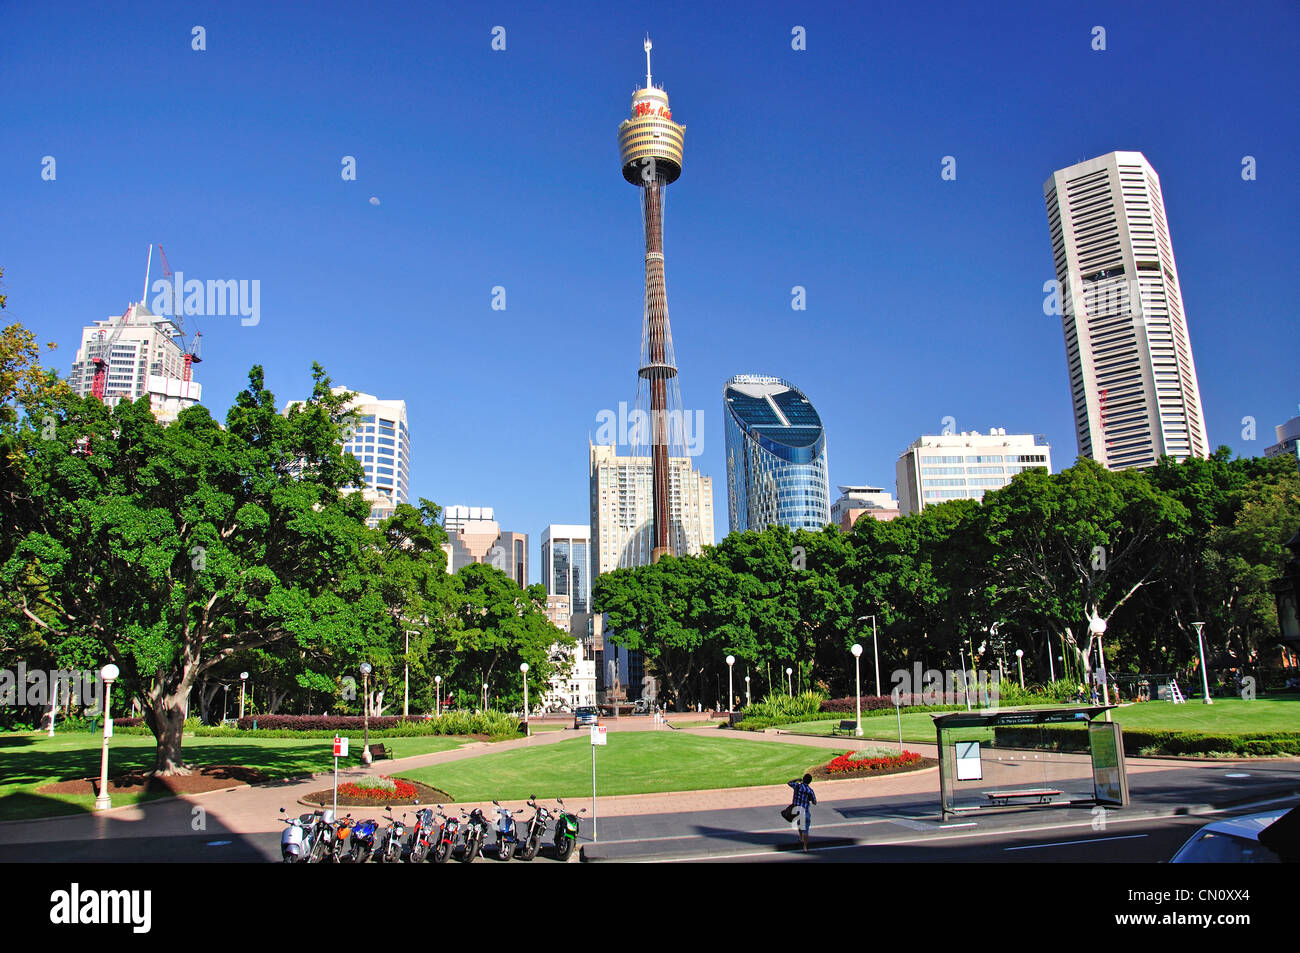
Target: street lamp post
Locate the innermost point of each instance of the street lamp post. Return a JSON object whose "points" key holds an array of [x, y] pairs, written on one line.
{"points": [[528, 731], [965, 689], [789, 683], [1098, 628], [406, 678], [747, 701], [857, 685], [437, 695], [365, 708], [243, 680], [1205, 674], [485, 696], [731, 660], [109, 674], [1020, 663]]}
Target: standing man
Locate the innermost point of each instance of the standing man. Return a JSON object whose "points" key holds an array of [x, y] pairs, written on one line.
{"points": [[804, 798]]}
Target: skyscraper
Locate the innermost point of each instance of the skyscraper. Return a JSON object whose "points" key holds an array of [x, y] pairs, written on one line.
{"points": [[650, 148], [1132, 377], [622, 514], [776, 456], [965, 466], [380, 439], [474, 536], [566, 564]]}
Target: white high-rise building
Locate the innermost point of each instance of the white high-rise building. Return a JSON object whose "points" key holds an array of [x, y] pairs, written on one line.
{"points": [[144, 356], [566, 571], [965, 466], [381, 440], [622, 514], [1132, 377]]}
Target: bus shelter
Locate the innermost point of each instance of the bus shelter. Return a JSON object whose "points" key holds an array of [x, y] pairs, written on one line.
{"points": [[1029, 757]]}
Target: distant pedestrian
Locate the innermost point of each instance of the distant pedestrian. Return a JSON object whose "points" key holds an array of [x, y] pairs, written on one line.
{"points": [[804, 798]]}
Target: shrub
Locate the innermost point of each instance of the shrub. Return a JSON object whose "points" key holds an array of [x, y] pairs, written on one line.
{"points": [[1140, 743], [379, 790], [792, 707], [491, 723]]}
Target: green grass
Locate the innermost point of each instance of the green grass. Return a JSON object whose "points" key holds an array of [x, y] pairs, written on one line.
{"points": [[31, 760], [1225, 716], [632, 762]]}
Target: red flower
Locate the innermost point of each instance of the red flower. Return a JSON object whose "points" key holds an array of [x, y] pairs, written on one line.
{"points": [[847, 764]]}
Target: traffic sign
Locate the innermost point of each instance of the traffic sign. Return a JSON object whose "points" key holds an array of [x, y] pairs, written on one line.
{"points": [[597, 734], [340, 747]]}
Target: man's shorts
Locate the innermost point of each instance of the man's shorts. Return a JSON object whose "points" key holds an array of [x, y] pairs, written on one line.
{"points": [[802, 819]]}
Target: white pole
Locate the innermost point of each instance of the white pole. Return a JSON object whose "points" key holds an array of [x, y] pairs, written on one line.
{"points": [[336, 786], [54, 700], [593, 794], [108, 673], [406, 678], [1205, 675], [899, 712]]}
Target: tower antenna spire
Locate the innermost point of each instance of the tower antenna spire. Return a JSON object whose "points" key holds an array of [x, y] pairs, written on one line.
{"points": [[648, 45]]}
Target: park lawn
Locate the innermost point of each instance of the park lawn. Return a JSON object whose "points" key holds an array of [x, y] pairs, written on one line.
{"points": [[31, 760], [631, 762]]}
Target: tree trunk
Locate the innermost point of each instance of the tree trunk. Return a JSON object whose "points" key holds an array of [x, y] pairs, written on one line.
{"points": [[166, 719]]}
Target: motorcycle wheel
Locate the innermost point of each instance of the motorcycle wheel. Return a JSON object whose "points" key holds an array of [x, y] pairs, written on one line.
{"points": [[441, 852], [506, 850], [563, 848], [418, 854], [471, 851], [528, 851], [317, 851]]}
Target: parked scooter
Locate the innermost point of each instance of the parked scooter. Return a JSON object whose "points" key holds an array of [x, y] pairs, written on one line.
{"points": [[506, 837], [476, 827], [566, 831], [446, 844], [423, 836], [301, 842], [531, 841], [390, 841], [363, 840]]}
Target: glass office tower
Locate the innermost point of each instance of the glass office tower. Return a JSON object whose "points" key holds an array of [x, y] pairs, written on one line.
{"points": [[776, 456]]}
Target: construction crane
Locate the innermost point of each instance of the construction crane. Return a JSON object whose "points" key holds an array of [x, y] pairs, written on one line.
{"points": [[191, 349], [104, 353]]}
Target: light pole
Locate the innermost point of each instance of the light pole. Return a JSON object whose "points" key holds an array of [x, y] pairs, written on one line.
{"points": [[857, 685], [789, 684], [365, 708], [875, 648], [965, 689], [528, 731], [243, 680], [1098, 628], [731, 660], [225, 700], [109, 674], [747, 701], [1051, 666], [1020, 661], [1205, 674], [437, 695], [485, 696]]}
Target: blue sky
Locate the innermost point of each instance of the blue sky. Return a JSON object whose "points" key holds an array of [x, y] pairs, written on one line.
{"points": [[818, 168]]}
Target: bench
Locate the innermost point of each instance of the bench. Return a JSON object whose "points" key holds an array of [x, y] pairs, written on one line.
{"points": [[847, 727], [376, 752], [1004, 798]]}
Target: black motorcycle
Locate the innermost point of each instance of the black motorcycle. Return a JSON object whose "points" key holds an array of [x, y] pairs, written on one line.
{"points": [[476, 828], [566, 831], [531, 841]]}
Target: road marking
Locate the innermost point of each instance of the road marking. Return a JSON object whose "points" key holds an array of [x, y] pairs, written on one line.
{"points": [[1068, 843], [1236, 774], [967, 824], [219, 843]]}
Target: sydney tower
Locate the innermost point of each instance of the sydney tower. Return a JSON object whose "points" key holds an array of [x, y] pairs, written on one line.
{"points": [[650, 146]]}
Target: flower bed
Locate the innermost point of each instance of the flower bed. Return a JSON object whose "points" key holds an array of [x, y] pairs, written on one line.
{"points": [[848, 764], [380, 790]]}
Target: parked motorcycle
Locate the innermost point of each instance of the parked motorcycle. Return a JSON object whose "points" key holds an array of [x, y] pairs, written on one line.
{"points": [[424, 834], [566, 831], [476, 827], [390, 841], [507, 838], [363, 840], [531, 841], [446, 844], [342, 829]]}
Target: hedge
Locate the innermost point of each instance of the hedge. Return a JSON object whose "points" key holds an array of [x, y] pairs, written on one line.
{"points": [[1140, 743]]}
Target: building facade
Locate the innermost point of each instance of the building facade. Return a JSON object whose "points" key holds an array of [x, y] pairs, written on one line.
{"points": [[965, 466], [566, 571], [776, 456], [1288, 441], [1132, 377], [144, 356], [474, 536], [854, 501]]}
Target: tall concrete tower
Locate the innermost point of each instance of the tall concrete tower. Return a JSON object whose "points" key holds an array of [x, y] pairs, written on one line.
{"points": [[650, 147], [1132, 377]]}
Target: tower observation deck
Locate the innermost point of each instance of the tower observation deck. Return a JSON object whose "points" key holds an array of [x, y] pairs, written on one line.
{"points": [[650, 148]]}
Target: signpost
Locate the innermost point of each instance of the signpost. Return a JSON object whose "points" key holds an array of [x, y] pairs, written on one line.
{"points": [[597, 738], [340, 751]]}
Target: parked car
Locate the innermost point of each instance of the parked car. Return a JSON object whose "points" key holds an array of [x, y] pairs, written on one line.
{"points": [[586, 717], [1232, 841]]}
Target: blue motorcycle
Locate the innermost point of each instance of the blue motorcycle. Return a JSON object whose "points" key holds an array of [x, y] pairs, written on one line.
{"points": [[507, 839], [363, 840]]}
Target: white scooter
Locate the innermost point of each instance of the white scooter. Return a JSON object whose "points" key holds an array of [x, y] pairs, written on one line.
{"points": [[301, 842]]}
